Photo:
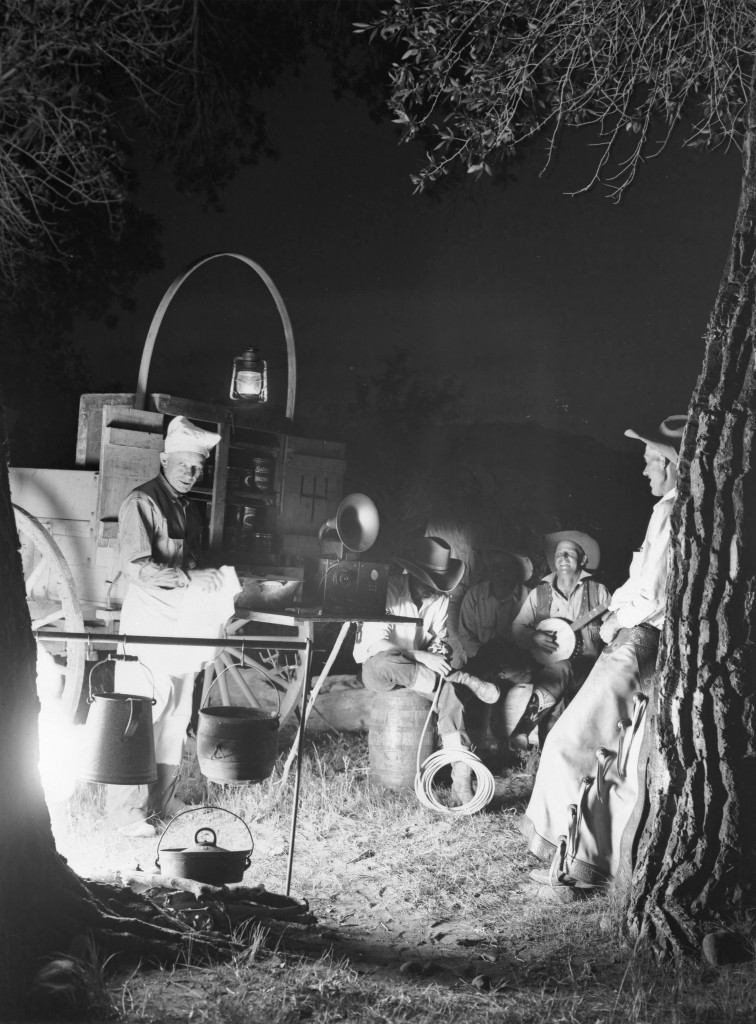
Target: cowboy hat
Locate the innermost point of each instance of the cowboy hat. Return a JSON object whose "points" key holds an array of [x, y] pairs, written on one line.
{"points": [[665, 438], [588, 544], [431, 562], [523, 563]]}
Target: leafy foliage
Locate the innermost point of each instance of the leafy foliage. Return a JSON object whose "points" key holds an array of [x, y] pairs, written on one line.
{"points": [[479, 78]]}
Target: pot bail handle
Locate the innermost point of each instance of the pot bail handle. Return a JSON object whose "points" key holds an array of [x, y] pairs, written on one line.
{"points": [[240, 664], [120, 657], [92, 670]]}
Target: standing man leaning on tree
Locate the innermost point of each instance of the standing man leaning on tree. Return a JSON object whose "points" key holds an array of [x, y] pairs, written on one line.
{"points": [[159, 533], [588, 796]]}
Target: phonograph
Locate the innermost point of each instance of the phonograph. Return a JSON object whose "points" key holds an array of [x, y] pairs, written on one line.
{"points": [[346, 585]]}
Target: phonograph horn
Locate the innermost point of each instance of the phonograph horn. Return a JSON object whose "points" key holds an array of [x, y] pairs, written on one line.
{"points": [[356, 522]]}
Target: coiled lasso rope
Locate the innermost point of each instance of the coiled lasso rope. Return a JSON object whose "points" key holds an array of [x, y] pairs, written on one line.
{"points": [[426, 773]]}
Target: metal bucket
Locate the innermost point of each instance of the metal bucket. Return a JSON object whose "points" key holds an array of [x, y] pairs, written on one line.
{"points": [[237, 745], [397, 720], [119, 744]]}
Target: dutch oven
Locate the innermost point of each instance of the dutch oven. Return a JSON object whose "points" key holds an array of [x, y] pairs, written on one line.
{"points": [[204, 861]]}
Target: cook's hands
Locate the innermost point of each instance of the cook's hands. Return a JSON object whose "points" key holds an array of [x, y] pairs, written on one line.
{"points": [[545, 640], [437, 663], [209, 580], [609, 628]]}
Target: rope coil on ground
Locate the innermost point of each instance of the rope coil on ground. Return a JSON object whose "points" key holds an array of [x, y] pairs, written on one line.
{"points": [[426, 773], [440, 759]]}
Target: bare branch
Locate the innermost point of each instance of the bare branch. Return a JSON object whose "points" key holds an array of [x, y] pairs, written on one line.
{"points": [[481, 79]]}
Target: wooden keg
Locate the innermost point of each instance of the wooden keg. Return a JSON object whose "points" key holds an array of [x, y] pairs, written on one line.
{"points": [[397, 720]]}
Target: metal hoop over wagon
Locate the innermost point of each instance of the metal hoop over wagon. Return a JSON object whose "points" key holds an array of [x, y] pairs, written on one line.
{"points": [[264, 498]]}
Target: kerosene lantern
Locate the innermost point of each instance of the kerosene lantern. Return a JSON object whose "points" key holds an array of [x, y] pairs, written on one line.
{"points": [[249, 378]]}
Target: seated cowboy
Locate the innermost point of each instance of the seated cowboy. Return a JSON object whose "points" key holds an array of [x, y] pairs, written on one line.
{"points": [[417, 657], [563, 656], [488, 611]]}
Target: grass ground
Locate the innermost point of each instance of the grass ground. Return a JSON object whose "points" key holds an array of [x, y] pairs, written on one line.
{"points": [[421, 917]]}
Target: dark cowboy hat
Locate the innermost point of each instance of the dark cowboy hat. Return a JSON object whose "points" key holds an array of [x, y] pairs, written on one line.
{"points": [[588, 544], [522, 563], [665, 438], [432, 563]]}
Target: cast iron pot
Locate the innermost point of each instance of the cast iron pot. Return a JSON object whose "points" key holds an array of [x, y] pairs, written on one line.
{"points": [[205, 861]]}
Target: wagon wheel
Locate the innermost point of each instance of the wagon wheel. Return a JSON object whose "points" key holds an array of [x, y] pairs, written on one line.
{"points": [[283, 670], [53, 600]]}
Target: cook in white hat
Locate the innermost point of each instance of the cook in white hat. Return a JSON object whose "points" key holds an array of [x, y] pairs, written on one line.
{"points": [[160, 555]]}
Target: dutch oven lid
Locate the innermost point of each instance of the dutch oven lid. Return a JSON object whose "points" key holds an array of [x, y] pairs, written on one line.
{"points": [[204, 845]]}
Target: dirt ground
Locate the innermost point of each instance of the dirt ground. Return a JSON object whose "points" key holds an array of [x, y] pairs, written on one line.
{"points": [[410, 905], [395, 888]]}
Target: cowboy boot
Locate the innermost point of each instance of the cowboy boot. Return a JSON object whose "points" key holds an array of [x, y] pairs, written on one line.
{"points": [[462, 773], [462, 791], [487, 692], [536, 710]]}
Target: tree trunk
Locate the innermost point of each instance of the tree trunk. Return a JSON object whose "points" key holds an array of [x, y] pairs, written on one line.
{"points": [[696, 870], [29, 865]]}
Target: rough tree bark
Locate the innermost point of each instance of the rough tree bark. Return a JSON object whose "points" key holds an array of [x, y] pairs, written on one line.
{"points": [[31, 869], [696, 869]]}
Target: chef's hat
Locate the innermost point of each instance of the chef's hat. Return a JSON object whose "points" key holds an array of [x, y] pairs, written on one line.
{"points": [[183, 436]]}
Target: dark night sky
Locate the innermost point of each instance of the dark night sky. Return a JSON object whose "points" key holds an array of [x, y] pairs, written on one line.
{"points": [[570, 312]]}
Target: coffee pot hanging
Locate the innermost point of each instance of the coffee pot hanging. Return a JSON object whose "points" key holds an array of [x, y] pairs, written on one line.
{"points": [[118, 739]]}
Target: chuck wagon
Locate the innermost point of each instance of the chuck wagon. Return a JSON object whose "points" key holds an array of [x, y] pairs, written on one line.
{"points": [[264, 495]]}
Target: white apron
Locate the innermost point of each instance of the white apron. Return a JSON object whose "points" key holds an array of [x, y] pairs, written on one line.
{"points": [[165, 672]]}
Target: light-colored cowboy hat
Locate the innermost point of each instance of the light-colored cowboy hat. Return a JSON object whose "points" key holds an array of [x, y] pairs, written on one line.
{"points": [[432, 563], [523, 563], [665, 438], [588, 544]]}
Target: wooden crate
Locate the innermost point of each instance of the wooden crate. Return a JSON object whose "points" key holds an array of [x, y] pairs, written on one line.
{"points": [[312, 485], [89, 437], [132, 441]]}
